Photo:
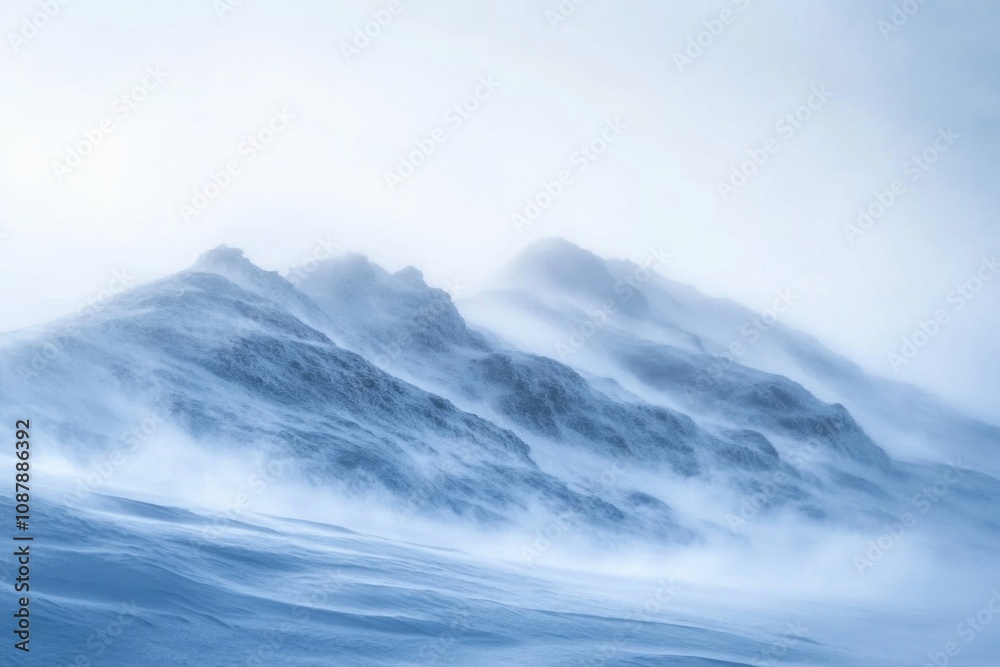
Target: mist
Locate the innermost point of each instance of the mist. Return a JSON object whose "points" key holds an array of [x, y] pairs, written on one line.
{"points": [[688, 122], [504, 332]]}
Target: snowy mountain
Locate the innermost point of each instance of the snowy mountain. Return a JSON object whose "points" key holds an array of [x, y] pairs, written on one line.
{"points": [[416, 407], [626, 321], [125, 587], [427, 340], [642, 402], [218, 349], [583, 409]]}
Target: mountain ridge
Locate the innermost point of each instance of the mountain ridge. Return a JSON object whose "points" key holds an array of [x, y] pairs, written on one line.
{"points": [[375, 384]]}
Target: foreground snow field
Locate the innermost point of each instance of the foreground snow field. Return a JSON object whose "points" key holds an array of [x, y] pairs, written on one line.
{"points": [[125, 582]]}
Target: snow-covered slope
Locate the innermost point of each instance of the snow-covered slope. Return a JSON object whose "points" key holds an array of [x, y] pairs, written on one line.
{"points": [[698, 350], [750, 429], [237, 369], [133, 583], [629, 445], [417, 332], [415, 410]]}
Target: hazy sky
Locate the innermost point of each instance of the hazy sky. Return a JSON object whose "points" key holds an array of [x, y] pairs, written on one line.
{"points": [[201, 77]]}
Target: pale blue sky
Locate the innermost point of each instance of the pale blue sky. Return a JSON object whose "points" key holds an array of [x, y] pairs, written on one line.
{"points": [[657, 185]]}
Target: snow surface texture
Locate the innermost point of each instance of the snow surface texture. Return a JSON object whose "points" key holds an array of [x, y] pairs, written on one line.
{"points": [[132, 583], [562, 472]]}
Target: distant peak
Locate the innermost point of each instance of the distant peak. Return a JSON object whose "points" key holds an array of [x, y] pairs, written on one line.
{"points": [[355, 260], [351, 267], [223, 251], [410, 276], [232, 264], [555, 244], [555, 264], [556, 256], [221, 256], [352, 270]]}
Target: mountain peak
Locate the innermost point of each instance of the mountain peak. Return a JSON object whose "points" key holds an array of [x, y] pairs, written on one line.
{"points": [[411, 276], [225, 261], [556, 247], [350, 268], [233, 265], [221, 253], [559, 259], [575, 275], [382, 309]]}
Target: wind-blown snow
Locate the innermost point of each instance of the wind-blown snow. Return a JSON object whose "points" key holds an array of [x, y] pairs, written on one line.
{"points": [[562, 465]]}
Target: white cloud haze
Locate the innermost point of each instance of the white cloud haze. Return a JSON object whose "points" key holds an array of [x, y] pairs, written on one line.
{"points": [[689, 121]]}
